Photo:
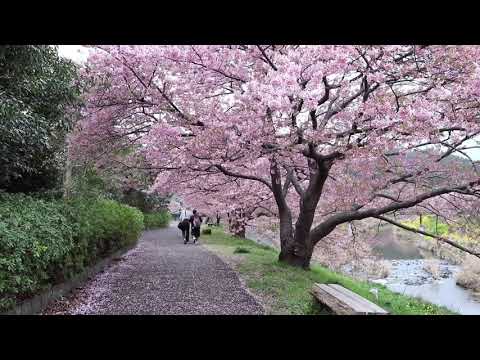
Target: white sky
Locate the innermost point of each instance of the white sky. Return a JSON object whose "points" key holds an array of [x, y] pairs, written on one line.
{"points": [[79, 54]]}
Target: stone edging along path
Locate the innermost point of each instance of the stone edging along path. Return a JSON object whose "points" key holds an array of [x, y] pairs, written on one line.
{"points": [[40, 302]]}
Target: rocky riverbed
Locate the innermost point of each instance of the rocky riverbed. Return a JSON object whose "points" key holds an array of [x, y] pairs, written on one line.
{"points": [[409, 277], [413, 271], [417, 272]]}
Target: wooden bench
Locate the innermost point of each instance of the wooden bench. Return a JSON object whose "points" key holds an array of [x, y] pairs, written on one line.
{"points": [[343, 301]]}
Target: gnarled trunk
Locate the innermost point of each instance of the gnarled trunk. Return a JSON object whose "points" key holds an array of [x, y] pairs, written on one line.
{"points": [[294, 258], [300, 249]]}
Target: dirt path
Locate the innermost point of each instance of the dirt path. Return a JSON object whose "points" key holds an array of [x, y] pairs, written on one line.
{"points": [[162, 276]]}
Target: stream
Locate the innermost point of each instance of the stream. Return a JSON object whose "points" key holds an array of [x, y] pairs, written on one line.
{"points": [[407, 274]]}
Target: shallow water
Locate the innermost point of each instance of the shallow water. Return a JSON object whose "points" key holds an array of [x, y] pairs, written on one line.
{"points": [[407, 276], [390, 247], [442, 292]]}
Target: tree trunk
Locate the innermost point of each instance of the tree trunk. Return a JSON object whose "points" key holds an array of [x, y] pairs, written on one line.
{"points": [[237, 224], [299, 253], [291, 257], [286, 233], [298, 249], [295, 249], [241, 233], [67, 184], [303, 246]]}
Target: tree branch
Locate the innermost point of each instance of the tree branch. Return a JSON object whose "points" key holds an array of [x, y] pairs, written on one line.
{"points": [[297, 186], [265, 56], [452, 243], [242, 176], [327, 226]]}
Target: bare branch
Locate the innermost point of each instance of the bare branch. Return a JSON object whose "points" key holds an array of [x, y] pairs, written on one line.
{"points": [[242, 176], [440, 238]]}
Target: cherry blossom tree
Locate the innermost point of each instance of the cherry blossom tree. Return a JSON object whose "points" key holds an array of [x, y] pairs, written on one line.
{"points": [[317, 136]]}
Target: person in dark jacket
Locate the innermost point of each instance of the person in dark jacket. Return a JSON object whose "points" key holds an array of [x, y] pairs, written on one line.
{"points": [[184, 225], [196, 222]]}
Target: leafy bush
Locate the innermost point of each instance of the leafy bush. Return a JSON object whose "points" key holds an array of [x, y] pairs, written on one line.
{"points": [[146, 202], [33, 234], [45, 242], [157, 220], [101, 226], [88, 183]]}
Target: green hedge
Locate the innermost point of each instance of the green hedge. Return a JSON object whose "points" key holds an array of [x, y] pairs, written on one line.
{"points": [[45, 242], [156, 220]]}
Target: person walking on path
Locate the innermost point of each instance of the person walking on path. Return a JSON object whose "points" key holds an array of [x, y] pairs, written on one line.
{"points": [[184, 225], [196, 222]]}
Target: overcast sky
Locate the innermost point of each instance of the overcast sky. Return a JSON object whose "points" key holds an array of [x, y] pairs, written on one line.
{"points": [[79, 54]]}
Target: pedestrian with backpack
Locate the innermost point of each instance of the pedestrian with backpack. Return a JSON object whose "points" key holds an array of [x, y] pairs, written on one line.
{"points": [[196, 222], [184, 225]]}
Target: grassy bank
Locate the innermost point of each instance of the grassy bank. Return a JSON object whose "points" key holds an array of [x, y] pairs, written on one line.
{"points": [[285, 290]]}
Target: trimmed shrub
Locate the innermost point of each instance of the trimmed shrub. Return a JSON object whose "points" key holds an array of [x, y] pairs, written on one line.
{"points": [[157, 219], [45, 242], [101, 227]]}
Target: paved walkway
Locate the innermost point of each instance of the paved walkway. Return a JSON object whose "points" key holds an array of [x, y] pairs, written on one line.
{"points": [[163, 276]]}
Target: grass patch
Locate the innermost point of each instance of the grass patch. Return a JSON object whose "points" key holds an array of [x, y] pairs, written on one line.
{"points": [[285, 289], [241, 250]]}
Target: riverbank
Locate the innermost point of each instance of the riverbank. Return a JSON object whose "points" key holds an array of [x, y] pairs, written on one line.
{"points": [[416, 269], [284, 290], [468, 275]]}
